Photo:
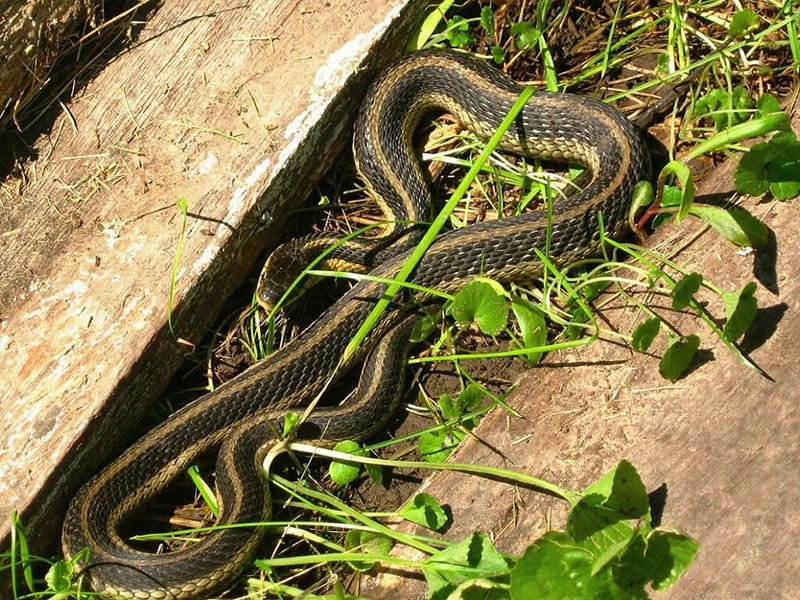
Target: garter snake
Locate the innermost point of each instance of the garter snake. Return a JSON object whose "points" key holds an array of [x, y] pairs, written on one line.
{"points": [[241, 415]]}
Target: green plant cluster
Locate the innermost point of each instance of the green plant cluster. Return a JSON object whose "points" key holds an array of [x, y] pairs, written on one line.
{"points": [[609, 548]]}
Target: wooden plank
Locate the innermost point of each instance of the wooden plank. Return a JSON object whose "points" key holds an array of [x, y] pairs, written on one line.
{"points": [[723, 443], [32, 35], [236, 109]]}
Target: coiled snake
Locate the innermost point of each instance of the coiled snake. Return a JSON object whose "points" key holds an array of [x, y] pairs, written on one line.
{"points": [[240, 416]]}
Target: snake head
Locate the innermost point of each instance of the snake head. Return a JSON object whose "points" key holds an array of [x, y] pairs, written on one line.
{"points": [[283, 268]]}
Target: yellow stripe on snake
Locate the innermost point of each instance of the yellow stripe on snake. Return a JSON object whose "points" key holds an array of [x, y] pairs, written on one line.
{"points": [[241, 416]]}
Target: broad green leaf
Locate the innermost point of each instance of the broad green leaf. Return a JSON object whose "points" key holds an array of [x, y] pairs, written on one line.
{"points": [[657, 559], [725, 109], [424, 327], [423, 509], [744, 22], [448, 407], [589, 518], [671, 553], [684, 176], [436, 446], [498, 54], [609, 544], [59, 576], [741, 103], [601, 521], [645, 333], [785, 190], [375, 473], [621, 494], [735, 224], [768, 104], [741, 307], [470, 397], [622, 490], [678, 356], [751, 175], [634, 569], [343, 472], [654, 275], [709, 102], [368, 542], [555, 567], [454, 409], [480, 589], [533, 327], [473, 558], [773, 166], [663, 64], [479, 302], [685, 289], [642, 197], [487, 19], [458, 33], [525, 34], [670, 196], [578, 317], [290, 421]]}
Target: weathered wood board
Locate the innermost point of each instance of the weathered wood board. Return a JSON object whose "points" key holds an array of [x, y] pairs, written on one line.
{"points": [[723, 443], [237, 108], [32, 33]]}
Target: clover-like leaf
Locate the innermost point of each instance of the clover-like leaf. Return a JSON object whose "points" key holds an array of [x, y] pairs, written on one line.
{"points": [[741, 307], [678, 357], [773, 166], [685, 289], [368, 542], [479, 302], [423, 509], [645, 333], [343, 472], [744, 22]]}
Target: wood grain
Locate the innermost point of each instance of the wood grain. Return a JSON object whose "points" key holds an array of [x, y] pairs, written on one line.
{"points": [[32, 35], [238, 110]]}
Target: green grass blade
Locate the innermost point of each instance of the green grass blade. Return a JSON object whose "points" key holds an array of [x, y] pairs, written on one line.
{"points": [[749, 129], [205, 490], [176, 263], [429, 25], [485, 471]]}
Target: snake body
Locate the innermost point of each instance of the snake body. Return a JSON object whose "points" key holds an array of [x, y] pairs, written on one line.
{"points": [[241, 416]]}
